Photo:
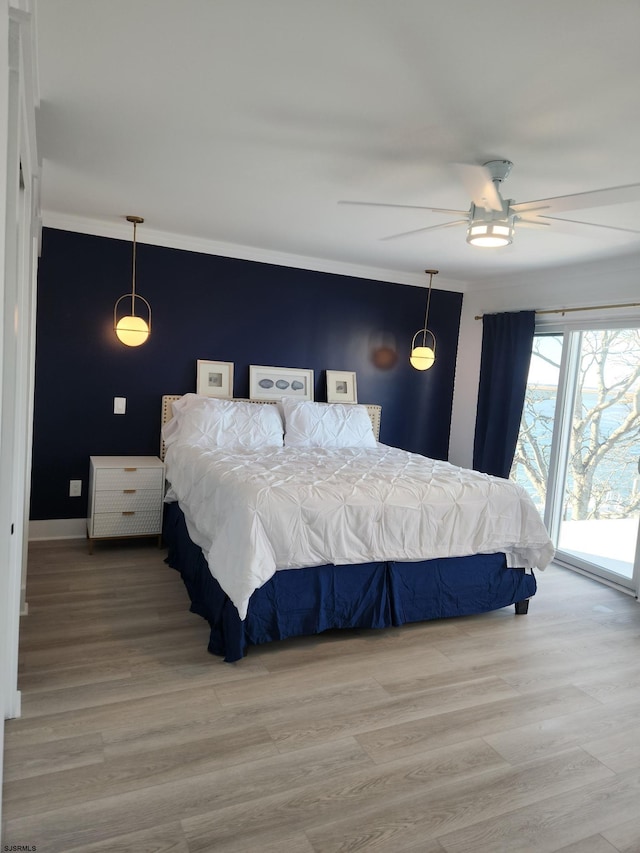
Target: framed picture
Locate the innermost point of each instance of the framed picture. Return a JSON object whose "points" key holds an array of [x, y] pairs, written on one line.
{"points": [[273, 383], [341, 387], [214, 378]]}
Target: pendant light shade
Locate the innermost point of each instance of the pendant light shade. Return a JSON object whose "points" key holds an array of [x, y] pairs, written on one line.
{"points": [[423, 348], [132, 329]]}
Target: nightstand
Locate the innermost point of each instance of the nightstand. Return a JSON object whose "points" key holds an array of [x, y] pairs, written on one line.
{"points": [[125, 497]]}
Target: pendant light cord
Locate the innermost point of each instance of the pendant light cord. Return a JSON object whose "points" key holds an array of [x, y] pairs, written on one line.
{"points": [[426, 313], [431, 274], [133, 275]]}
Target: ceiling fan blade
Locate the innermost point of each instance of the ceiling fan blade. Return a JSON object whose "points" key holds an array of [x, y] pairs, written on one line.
{"points": [[592, 224], [527, 207], [479, 184], [594, 198], [523, 222], [428, 228], [406, 207]]}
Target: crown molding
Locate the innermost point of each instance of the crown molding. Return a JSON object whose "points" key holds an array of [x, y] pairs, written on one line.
{"points": [[615, 268], [117, 230]]}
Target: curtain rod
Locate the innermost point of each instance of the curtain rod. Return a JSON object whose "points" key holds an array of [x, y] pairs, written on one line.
{"points": [[569, 310]]}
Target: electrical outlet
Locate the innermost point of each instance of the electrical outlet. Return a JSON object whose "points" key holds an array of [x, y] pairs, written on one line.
{"points": [[75, 488], [119, 405]]}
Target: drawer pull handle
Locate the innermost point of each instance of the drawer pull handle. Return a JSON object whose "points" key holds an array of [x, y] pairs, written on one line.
{"points": [[129, 512], [128, 491], [130, 469]]}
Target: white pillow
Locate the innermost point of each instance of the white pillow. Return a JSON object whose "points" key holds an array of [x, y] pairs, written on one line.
{"points": [[330, 425], [211, 422]]}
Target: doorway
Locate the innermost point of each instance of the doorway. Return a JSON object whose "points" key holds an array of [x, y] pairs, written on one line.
{"points": [[578, 450]]}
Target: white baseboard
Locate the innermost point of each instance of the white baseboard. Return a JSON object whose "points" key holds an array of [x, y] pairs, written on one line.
{"points": [[13, 709], [58, 528]]}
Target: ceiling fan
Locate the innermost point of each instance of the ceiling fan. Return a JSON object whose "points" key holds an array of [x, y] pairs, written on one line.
{"points": [[491, 220]]}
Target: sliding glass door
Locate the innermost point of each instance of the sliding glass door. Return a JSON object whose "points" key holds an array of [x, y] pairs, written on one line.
{"points": [[578, 452]]}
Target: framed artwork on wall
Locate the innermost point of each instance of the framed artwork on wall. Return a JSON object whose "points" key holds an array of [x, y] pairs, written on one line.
{"points": [[214, 378], [341, 387], [273, 383]]}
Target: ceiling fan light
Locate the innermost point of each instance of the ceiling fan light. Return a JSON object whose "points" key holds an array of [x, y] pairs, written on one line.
{"points": [[490, 235]]}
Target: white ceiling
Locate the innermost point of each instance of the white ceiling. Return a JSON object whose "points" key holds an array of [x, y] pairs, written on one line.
{"points": [[242, 123]]}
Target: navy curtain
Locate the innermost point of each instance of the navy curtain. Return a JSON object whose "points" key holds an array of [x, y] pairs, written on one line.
{"points": [[507, 341]]}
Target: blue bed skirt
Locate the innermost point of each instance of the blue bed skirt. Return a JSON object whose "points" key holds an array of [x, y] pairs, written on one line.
{"points": [[299, 602]]}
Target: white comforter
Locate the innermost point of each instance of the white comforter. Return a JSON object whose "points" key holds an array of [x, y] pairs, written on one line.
{"points": [[254, 512]]}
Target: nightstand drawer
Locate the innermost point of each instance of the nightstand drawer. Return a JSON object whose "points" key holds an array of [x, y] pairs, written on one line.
{"points": [[113, 479], [126, 523], [127, 500]]}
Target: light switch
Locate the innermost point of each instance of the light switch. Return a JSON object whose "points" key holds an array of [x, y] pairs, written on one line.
{"points": [[119, 405]]}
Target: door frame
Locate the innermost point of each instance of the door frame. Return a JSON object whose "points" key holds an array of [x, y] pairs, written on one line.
{"points": [[562, 424], [19, 241]]}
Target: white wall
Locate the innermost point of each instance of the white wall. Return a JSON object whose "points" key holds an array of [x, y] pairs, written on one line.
{"points": [[593, 284]]}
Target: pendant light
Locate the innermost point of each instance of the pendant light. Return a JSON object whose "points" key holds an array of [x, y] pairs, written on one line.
{"points": [[131, 329], [423, 356]]}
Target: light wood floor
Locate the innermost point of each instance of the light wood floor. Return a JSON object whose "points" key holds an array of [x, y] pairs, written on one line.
{"points": [[475, 735]]}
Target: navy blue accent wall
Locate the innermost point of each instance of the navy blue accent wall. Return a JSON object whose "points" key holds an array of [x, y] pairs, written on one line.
{"points": [[222, 309]]}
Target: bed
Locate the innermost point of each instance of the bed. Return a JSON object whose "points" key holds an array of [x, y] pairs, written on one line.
{"points": [[291, 518]]}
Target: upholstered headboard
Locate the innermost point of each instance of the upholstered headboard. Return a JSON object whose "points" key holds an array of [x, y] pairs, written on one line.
{"points": [[374, 412]]}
